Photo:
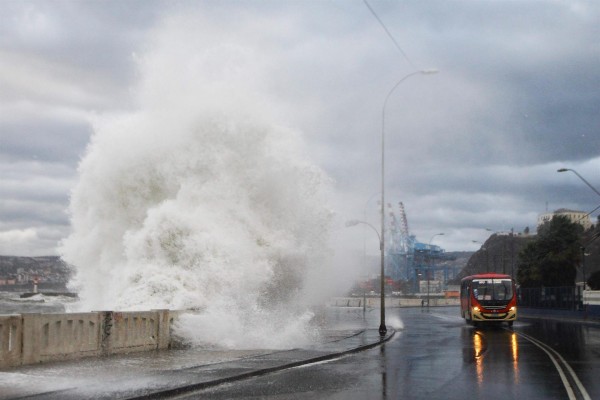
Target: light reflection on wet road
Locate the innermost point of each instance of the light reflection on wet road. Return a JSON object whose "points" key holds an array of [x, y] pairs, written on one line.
{"points": [[437, 356]]}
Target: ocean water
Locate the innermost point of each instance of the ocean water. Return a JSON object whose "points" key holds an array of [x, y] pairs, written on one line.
{"points": [[12, 303], [201, 198]]}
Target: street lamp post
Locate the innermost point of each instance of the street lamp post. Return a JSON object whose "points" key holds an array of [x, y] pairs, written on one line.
{"points": [[432, 264], [437, 234], [354, 222], [580, 177], [598, 193], [487, 261], [382, 327], [583, 265], [365, 237]]}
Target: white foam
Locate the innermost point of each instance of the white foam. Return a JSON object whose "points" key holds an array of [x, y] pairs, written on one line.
{"points": [[199, 199]]}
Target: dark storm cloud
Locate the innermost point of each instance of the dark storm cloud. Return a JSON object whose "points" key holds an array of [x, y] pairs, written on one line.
{"points": [[34, 192], [537, 60], [476, 145], [45, 140], [17, 213], [94, 35], [63, 62], [513, 102]]}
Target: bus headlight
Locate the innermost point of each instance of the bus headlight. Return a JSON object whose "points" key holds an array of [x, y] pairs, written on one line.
{"points": [[476, 309], [513, 308]]}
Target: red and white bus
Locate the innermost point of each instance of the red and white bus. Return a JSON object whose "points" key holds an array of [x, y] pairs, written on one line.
{"points": [[488, 298]]}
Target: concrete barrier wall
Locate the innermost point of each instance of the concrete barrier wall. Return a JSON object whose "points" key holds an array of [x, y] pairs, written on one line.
{"points": [[50, 337], [134, 331], [390, 302], [591, 297], [33, 338], [11, 338]]}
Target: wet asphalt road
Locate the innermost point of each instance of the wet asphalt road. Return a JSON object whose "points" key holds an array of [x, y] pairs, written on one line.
{"points": [[435, 355]]}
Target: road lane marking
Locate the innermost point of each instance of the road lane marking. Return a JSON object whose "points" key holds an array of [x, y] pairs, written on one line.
{"points": [[556, 357]]}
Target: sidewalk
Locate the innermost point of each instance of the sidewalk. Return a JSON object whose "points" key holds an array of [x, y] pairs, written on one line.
{"points": [[156, 374], [580, 317]]}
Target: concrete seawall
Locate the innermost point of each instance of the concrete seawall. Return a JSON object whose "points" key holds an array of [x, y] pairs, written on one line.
{"points": [[390, 302], [34, 338], [591, 298]]}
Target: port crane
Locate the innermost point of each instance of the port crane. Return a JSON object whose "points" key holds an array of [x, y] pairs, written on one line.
{"points": [[408, 259]]}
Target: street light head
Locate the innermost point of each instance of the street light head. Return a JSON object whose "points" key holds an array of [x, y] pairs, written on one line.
{"points": [[580, 177], [352, 222], [429, 71]]}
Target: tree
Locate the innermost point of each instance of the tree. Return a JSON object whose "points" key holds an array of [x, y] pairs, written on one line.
{"points": [[552, 259], [529, 273]]}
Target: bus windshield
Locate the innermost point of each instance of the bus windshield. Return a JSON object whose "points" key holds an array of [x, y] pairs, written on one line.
{"points": [[492, 289]]}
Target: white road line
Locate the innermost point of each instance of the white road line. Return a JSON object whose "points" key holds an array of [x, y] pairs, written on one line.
{"points": [[446, 317], [554, 355]]}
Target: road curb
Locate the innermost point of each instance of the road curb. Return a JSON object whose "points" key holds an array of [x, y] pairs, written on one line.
{"points": [[592, 322], [161, 394]]}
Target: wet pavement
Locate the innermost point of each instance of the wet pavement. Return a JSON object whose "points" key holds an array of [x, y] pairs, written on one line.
{"points": [[435, 355], [432, 354], [167, 373]]}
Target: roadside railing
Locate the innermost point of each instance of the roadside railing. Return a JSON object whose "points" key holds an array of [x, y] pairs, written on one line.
{"points": [[390, 302], [561, 298]]}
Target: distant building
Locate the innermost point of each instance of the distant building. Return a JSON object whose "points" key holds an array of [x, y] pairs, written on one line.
{"points": [[453, 291], [434, 286], [578, 217]]}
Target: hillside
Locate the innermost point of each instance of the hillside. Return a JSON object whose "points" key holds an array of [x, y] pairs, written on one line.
{"points": [[500, 253], [49, 270]]}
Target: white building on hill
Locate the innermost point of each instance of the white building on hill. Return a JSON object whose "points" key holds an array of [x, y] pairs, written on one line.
{"points": [[578, 217]]}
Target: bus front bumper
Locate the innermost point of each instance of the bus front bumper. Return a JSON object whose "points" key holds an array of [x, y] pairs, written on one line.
{"points": [[481, 314]]}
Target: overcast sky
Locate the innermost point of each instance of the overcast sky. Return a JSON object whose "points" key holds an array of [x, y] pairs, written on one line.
{"points": [[474, 146]]}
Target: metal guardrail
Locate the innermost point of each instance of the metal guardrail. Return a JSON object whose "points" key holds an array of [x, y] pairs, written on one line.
{"points": [[561, 298], [390, 302]]}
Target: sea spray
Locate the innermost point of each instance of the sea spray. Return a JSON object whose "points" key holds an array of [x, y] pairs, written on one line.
{"points": [[199, 200]]}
